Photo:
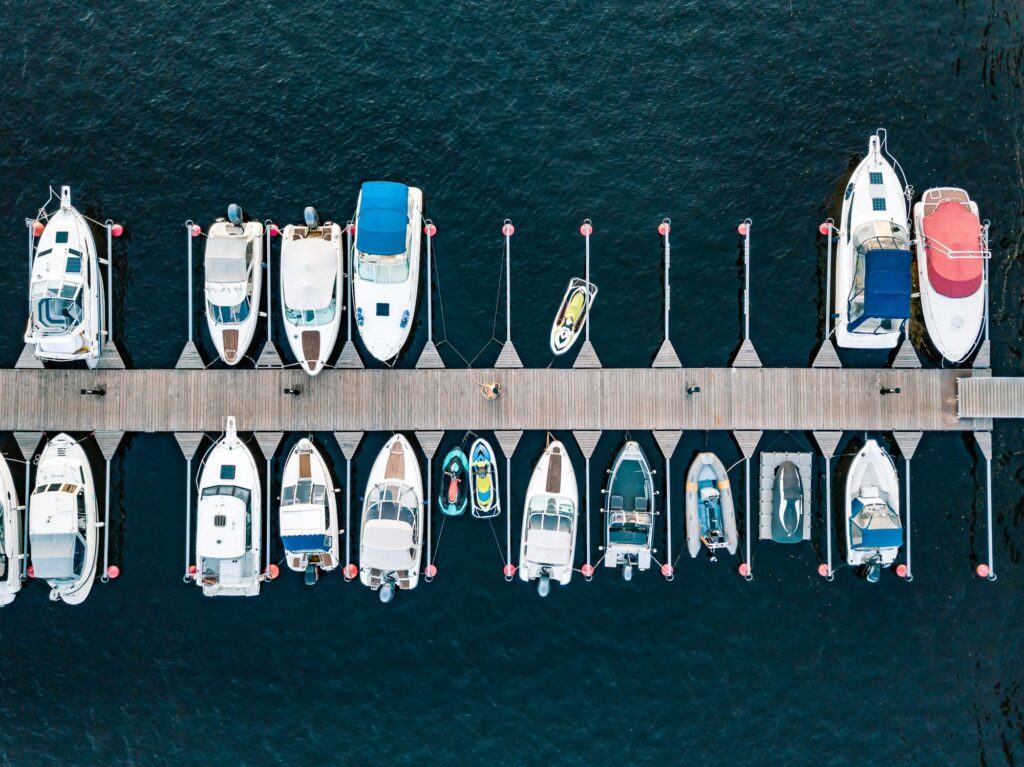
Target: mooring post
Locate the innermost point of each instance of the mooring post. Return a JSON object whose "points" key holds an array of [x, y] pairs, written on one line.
{"points": [[110, 280], [988, 523], [430, 230], [749, 574], [426, 510], [664, 229], [829, 228], [188, 518], [906, 462], [589, 574], [189, 228], [508, 518], [586, 230], [508, 230], [270, 275], [828, 518], [106, 522], [24, 532], [745, 231]]}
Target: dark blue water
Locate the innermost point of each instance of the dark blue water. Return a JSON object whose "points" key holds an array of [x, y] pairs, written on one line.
{"points": [[625, 113]]}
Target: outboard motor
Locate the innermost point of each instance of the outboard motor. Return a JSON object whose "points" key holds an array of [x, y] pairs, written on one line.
{"points": [[627, 571], [872, 571], [544, 584], [311, 217], [311, 575], [235, 214], [387, 591]]}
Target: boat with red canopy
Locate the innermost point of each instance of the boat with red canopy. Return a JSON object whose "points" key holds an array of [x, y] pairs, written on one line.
{"points": [[952, 253]]}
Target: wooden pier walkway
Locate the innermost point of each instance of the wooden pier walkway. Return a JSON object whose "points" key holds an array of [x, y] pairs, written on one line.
{"points": [[985, 397], [449, 399]]}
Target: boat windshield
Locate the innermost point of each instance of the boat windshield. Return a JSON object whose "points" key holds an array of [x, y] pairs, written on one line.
{"points": [[229, 315], [305, 492], [382, 269], [311, 318], [230, 491], [548, 514], [393, 502], [56, 306], [628, 533]]}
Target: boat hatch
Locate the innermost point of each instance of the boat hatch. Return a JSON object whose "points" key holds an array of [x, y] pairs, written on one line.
{"points": [[227, 471], [61, 238], [383, 310]]}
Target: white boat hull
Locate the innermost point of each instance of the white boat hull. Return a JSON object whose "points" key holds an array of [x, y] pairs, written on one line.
{"points": [[232, 339], [871, 468], [298, 561], [545, 552], [10, 581]]}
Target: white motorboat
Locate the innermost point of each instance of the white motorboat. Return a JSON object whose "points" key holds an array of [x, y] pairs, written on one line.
{"points": [[228, 529], [312, 297], [63, 530], [952, 249], [233, 266], [66, 302], [391, 535], [873, 256], [308, 513], [386, 265], [548, 546], [629, 512], [10, 537], [874, 532]]}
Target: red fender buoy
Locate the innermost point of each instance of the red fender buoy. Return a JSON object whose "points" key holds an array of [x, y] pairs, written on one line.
{"points": [[664, 228], [508, 230], [430, 230], [113, 571], [667, 570]]}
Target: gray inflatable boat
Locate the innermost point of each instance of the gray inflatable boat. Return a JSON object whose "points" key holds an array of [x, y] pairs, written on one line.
{"points": [[710, 515]]}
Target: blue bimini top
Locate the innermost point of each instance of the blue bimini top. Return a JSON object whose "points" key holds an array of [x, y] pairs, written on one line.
{"points": [[383, 218]]}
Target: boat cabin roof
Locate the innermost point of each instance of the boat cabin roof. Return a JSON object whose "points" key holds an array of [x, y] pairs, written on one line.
{"points": [[222, 529]]}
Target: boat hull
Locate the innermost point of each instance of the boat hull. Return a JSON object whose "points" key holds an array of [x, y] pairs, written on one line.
{"points": [[553, 479], [628, 509], [232, 339]]}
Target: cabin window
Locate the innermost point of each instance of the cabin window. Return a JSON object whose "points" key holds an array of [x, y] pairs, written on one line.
{"points": [[877, 203], [227, 471], [62, 237], [383, 310], [876, 178], [74, 265]]}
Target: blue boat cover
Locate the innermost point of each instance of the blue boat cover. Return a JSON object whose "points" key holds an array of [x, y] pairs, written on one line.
{"points": [[383, 218], [318, 542], [876, 538], [886, 286]]}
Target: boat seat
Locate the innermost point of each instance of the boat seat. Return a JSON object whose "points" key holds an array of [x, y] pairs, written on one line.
{"points": [[640, 504], [616, 502]]}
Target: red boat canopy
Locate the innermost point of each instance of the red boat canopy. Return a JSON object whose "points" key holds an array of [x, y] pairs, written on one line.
{"points": [[954, 249]]}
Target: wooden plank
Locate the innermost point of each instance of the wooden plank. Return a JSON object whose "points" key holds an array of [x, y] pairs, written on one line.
{"points": [[189, 442], [734, 399], [587, 358], [348, 441], [827, 356], [508, 357], [982, 396], [430, 359], [190, 358], [746, 357], [349, 358], [667, 441], [268, 442], [508, 441], [747, 440], [906, 357], [587, 440], [666, 356], [984, 440], [908, 442], [27, 359], [828, 441], [429, 440], [108, 442], [110, 357], [28, 442]]}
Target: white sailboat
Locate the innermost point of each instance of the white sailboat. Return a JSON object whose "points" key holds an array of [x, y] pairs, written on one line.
{"points": [[228, 529], [312, 300], [10, 537], [233, 267], [386, 265], [874, 532], [308, 513], [548, 546], [952, 250], [63, 531], [391, 534], [873, 256], [66, 307]]}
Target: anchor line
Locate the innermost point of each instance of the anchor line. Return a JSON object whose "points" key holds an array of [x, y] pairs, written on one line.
{"points": [[501, 553], [437, 542], [494, 326]]}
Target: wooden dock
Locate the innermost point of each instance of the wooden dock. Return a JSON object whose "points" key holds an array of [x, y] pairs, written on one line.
{"points": [[449, 399], [986, 397]]}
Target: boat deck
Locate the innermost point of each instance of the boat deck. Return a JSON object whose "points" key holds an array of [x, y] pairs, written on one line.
{"points": [[539, 399]]}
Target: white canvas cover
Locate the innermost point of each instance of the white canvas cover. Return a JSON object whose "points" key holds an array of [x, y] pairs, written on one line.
{"points": [[309, 273], [387, 545]]}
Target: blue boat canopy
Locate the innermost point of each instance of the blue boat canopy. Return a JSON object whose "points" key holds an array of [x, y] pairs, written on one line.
{"points": [[874, 530], [886, 286], [306, 542], [383, 218]]}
